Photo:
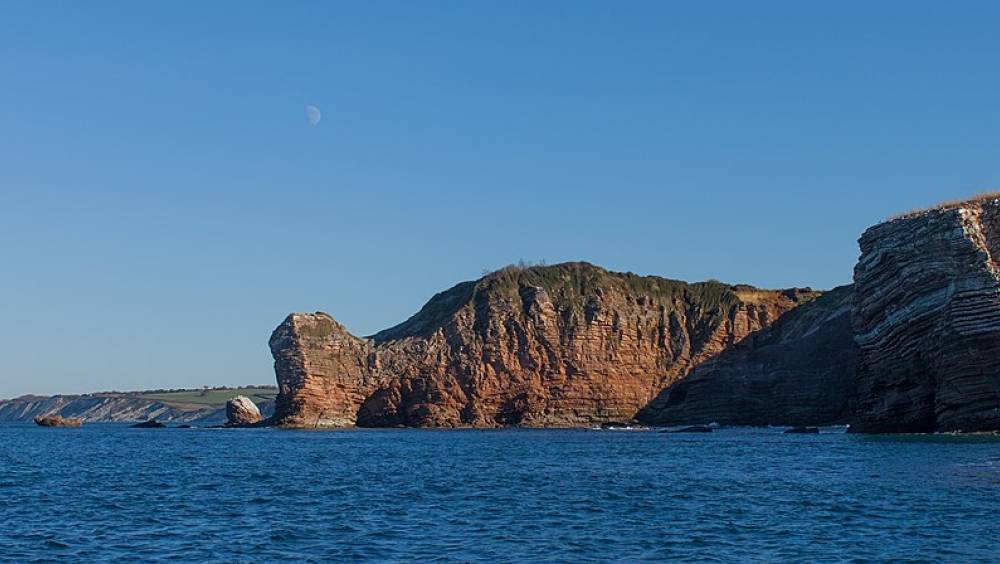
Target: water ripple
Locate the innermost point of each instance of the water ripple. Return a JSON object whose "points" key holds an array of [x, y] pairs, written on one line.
{"points": [[107, 492]]}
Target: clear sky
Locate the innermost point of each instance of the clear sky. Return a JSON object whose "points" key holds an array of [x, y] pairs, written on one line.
{"points": [[166, 202]]}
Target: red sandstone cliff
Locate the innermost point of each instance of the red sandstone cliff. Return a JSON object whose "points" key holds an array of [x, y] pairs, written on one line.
{"points": [[564, 345], [927, 321]]}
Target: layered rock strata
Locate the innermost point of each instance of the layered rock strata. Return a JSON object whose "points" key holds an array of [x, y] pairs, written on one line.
{"points": [[927, 321], [563, 345], [798, 371]]}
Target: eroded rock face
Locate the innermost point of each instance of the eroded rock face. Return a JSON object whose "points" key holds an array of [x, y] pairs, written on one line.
{"points": [[324, 373], [241, 410], [563, 345], [927, 321], [798, 371]]}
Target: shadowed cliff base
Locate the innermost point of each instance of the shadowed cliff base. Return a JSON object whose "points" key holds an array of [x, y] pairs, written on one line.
{"points": [[566, 345], [798, 371]]}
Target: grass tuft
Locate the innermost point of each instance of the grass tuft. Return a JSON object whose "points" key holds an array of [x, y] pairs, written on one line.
{"points": [[948, 205]]}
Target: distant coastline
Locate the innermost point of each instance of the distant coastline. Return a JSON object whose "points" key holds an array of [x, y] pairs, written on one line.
{"points": [[181, 405]]}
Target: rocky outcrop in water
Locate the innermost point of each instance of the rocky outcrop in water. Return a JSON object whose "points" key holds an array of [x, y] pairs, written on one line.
{"points": [[798, 371], [57, 421], [802, 431], [151, 424], [927, 321], [563, 345], [241, 411]]}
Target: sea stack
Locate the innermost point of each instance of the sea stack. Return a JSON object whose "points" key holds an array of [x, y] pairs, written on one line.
{"points": [[544, 346], [926, 320], [242, 411]]}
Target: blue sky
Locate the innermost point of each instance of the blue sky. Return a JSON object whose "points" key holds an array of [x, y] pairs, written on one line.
{"points": [[165, 202]]}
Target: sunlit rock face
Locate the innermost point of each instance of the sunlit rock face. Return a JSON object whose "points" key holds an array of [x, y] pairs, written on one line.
{"points": [[927, 321], [548, 346]]}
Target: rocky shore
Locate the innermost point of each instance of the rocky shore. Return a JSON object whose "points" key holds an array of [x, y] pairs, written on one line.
{"points": [[57, 421]]}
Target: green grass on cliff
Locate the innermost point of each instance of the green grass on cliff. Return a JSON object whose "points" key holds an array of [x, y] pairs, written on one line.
{"points": [[570, 286], [214, 397]]}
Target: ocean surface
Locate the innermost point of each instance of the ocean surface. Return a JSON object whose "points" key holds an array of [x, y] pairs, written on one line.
{"points": [[108, 492]]}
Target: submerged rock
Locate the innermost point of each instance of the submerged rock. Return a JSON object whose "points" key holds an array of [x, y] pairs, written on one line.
{"points": [[802, 430], [568, 345], [612, 425], [691, 429], [240, 411], [151, 424], [927, 321], [57, 421]]}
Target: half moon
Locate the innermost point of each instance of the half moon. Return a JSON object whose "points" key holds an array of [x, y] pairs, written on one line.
{"points": [[313, 115]]}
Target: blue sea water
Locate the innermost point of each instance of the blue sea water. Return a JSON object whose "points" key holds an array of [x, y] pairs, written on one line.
{"points": [[108, 492]]}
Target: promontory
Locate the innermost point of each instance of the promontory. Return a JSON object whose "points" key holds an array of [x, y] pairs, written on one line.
{"points": [[545, 346]]}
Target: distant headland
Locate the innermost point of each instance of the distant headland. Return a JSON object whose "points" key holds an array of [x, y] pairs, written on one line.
{"points": [[203, 406]]}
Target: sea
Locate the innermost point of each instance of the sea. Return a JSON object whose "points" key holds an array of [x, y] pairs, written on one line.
{"points": [[107, 492]]}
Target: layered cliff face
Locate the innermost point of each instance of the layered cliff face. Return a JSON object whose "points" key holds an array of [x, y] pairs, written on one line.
{"points": [[324, 373], [927, 321], [798, 371], [563, 345]]}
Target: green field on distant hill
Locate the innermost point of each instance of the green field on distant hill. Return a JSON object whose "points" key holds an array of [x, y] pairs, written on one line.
{"points": [[194, 398]]}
